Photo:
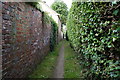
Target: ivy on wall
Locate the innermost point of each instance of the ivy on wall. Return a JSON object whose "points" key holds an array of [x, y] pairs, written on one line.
{"points": [[54, 30], [48, 20], [35, 4], [94, 32], [54, 34]]}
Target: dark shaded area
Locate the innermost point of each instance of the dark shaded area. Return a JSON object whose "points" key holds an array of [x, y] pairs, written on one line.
{"points": [[67, 36]]}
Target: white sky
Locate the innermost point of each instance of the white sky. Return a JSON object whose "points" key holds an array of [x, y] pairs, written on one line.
{"points": [[67, 2]]}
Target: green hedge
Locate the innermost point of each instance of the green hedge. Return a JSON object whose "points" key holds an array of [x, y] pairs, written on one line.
{"points": [[94, 32]]}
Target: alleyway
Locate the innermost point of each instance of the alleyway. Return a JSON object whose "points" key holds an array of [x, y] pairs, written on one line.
{"points": [[32, 39]]}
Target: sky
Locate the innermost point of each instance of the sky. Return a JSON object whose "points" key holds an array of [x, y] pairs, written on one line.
{"points": [[67, 2]]}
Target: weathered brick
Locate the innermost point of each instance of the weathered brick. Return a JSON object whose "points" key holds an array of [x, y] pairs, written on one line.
{"points": [[25, 41], [0, 32], [6, 17]]}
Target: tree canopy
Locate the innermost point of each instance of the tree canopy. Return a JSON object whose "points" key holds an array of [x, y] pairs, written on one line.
{"points": [[61, 8]]}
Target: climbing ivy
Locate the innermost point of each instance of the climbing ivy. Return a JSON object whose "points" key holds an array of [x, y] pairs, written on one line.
{"points": [[54, 30], [54, 33], [35, 4], [48, 20], [94, 33]]}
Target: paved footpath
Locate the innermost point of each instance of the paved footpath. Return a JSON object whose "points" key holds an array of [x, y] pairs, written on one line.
{"points": [[59, 69]]}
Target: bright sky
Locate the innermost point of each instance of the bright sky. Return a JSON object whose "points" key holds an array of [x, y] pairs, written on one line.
{"points": [[67, 2]]}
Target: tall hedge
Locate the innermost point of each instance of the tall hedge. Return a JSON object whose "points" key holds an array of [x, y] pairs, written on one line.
{"points": [[94, 32]]}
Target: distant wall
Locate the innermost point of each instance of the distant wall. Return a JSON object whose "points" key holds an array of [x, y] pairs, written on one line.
{"points": [[60, 33], [25, 39]]}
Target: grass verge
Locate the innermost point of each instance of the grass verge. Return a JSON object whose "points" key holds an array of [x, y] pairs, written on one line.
{"points": [[46, 67], [72, 68]]}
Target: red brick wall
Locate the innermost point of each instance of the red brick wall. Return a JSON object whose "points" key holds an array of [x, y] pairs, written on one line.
{"points": [[25, 39]]}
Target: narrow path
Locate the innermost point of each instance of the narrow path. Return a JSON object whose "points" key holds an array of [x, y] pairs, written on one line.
{"points": [[59, 70], [61, 63]]}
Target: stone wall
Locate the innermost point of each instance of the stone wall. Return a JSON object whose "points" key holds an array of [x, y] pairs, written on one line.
{"points": [[25, 39], [0, 40]]}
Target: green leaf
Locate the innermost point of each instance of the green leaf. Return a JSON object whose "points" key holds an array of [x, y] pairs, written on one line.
{"points": [[118, 29], [116, 12]]}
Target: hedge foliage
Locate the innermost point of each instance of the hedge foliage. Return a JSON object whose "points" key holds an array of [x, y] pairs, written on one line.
{"points": [[94, 33]]}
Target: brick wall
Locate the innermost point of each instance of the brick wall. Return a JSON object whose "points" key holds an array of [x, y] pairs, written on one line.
{"points": [[25, 39]]}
